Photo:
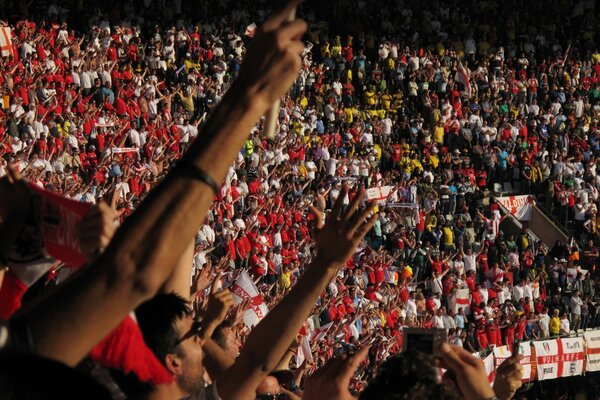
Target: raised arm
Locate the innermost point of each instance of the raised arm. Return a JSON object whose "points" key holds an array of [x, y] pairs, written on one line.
{"points": [[267, 343], [68, 322]]}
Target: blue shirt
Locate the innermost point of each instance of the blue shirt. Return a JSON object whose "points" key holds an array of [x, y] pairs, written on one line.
{"points": [[502, 156]]}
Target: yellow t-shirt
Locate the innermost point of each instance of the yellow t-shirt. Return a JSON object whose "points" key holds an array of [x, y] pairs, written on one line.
{"points": [[434, 160], [448, 236], [386, 101], [554, 326], [438, 134], [370, 97]]}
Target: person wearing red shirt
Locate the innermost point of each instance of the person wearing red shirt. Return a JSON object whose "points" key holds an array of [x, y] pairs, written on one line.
{"points": [[521, 325], [471, 280], [509, 336], [481, 336], [493, 334], [372, 294]]}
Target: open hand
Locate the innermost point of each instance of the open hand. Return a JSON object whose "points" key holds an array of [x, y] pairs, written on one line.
{"points": [[333, 379], [219, 303], [338, 238], [272, 62], [468, 372], [96, 229], [509, 377]]}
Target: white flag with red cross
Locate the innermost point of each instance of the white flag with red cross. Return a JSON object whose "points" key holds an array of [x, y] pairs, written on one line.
{"points": [[379, 193], [6, 48], [462, 301], [244, 288], [319, 333], [519, 206], [250, 30]]}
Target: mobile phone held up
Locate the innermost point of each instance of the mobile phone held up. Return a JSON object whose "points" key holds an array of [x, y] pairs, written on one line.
{"points": [[424, 340]]}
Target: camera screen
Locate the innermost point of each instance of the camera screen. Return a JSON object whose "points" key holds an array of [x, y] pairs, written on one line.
{"points": [[422, 342]]}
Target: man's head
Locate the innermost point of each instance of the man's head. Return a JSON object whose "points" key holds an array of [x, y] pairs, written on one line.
{"points": [[269, 388], [171, 333], [224, 336]]}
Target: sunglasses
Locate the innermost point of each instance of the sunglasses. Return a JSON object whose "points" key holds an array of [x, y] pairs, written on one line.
{"points": [[269, 396], [195, 330]]}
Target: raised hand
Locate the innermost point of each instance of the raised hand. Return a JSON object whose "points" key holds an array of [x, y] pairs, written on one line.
{"points": [[338, 238], [468, 372], [333, 379], [219, 303], [201, 280], [508, 377], [97, 227], [273, 62]]}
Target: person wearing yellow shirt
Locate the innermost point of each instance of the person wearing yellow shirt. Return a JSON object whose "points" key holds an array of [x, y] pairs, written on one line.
{"points": [[390, 63], [430, 221], [406, 165], [296, 127], [370, 98], [373, 112], [285, 279], [377, 150], [187, 100], [554, 326], [398, 101], [448, 237], [303, 171], [416, 164], [386, 100], [438, 133], [434, 161], [304, 102], [336, 49]]}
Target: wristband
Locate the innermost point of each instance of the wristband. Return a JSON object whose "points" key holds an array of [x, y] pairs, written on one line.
{"points": [[192, 171]]}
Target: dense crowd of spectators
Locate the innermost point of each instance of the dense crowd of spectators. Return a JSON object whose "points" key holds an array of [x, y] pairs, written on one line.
{"points": [[425, 101]]}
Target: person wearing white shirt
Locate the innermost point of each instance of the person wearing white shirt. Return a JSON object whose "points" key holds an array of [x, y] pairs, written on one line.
{"points": [[544, 323], [565, 325], [438, 320], [331, 166], [518, 291], [411, 306], [134, 136]]}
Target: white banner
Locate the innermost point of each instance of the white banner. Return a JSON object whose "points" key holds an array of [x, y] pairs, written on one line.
{"points": [[572, 357], [519, 206], [525, 350], [379, 193], [120, 150], [244, 288], [592, 343], [548, 359], [490, 369], [402, 205], [501, 353]]}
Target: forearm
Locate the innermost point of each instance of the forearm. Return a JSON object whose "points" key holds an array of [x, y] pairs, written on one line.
{"points": [[145, 249], [216, 360], [269, 340], [180, 280]]}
